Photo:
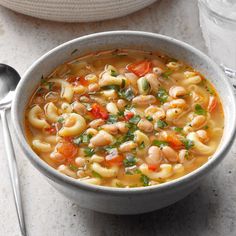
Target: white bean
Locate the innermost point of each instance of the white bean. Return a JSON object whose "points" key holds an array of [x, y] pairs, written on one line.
{"points": [[143, 100], [102, 138], [96, 123], [170, 154], [176, 91], [127, 146], [145, 125], [154, 156]]}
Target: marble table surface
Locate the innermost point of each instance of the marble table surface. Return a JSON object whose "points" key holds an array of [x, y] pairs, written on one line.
{"points": [[210, 210]]}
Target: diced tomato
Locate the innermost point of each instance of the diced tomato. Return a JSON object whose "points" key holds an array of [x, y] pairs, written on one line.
{"points": [[67, 149], [212, 103], [83, 81], [140, 68], [99, 111], [72, 79], [114, 160], [68, 139], [77, 80], [128, 115], [174, 142], [51, 129], [152, 167]]}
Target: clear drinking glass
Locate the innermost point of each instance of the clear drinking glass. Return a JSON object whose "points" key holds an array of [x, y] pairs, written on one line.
{"points": [[218, 23]]}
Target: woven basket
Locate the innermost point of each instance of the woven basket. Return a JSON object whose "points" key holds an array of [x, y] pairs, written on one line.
{"points": [[76, 10]]}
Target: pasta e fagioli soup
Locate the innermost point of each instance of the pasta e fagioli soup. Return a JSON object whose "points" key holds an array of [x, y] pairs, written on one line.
{"points": [[124, 118]]}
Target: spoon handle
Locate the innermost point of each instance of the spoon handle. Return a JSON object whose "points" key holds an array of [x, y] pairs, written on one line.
{"points": [[13, 172]]}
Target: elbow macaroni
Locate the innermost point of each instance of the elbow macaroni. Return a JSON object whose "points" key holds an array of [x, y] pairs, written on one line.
{"points": [[78, 126], [34, 118]]}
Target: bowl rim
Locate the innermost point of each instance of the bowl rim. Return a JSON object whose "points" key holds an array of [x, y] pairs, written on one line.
{"points": [[60, 178]]}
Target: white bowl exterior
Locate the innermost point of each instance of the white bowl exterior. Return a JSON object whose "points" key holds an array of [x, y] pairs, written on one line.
{"points": [[76, 10], [121, 201]]}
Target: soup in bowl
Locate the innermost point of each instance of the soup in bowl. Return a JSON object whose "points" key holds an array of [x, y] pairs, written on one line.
{"points": [[124, 118], [113, 124]]}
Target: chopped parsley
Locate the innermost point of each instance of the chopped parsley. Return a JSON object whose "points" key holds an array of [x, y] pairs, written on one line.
{"points": [[73, 167], [161, 124], [126, 94], [145, 180], [88, 151], [160, 143], [188, 143], [43, 80], [114, 73], [149, 118], [128, 136], [210, 90], [96, 175], [109, 87], [135, 119], [77, 140], [40, 91], [162, 95], [60, 120], [86, 137], [120, 113], [137, 171], [123, 83], [166, 74], [145, 85], [199, 110], [178, 129], [50, 85], [130, 160], [112, 119], [142, 145], [206, 127]]}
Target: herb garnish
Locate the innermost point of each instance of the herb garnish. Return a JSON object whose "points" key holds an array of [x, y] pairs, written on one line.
{"points": [[199, 110], [149, 118], [96, 175], [130, 160], [122, 83], [114, 73], [188, 143], [112, 119], [73, 167], [60, 120], [126, 94], [50, 85], [84, 138], [145, 180], [142, 145], [109, 87], [160, 143], [178, 129], [161, 124], [166, 74], [135, 119], [162, 95], [89, 151]]}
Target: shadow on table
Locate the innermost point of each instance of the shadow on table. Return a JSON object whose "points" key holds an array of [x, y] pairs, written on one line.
{"points": [[189, 216]]}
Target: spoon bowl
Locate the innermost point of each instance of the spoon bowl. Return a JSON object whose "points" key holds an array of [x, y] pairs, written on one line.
{"points": [[9, 79]]}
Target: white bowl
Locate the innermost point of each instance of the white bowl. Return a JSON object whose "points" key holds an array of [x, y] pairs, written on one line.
{"points": [[76, 10], [118, 200]]}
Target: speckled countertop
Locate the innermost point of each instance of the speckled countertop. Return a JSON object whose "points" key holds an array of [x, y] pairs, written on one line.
{"points": [[210, 210]]}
